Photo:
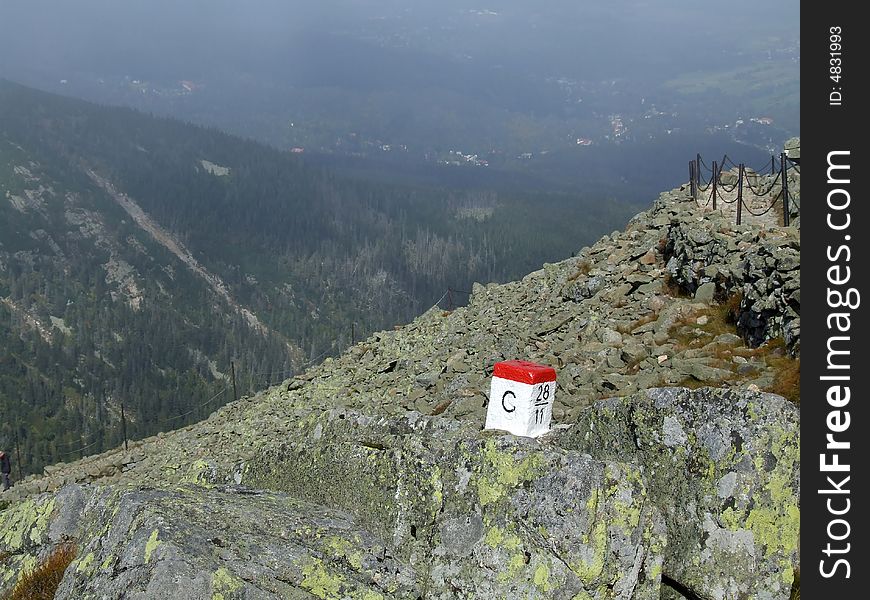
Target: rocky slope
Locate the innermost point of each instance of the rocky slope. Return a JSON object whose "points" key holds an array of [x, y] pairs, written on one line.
{"points": [[143, 261], [368, 476]]}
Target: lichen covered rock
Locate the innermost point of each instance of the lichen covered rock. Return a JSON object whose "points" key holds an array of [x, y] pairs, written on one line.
{"points": [[227, 543], [723, 466], [478, 515], [356, 507]]}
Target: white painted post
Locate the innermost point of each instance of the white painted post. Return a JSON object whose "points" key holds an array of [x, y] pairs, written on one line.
{"points": [[521, 398]]}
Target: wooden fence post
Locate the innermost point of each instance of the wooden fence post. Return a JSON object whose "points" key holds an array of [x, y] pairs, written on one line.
{"points": [[715, 181], [124, 425], [692, 179], [18, 453], [783, 166], [233, 372]]}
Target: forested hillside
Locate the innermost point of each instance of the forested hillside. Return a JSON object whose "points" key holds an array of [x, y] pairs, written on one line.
{"points": [[140, 256]]}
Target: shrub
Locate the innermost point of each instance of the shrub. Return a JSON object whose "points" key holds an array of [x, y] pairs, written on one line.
{"points": [[673, 288], [583, 269], [731, 307], [41, 583], [786, 377]]}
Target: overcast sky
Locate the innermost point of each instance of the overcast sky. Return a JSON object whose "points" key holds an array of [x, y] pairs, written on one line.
{"points": [[156, 38]]}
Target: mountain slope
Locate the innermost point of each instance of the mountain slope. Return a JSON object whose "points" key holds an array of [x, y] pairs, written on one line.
{"points": [[141, 257], [389, 434], [97, 313]]}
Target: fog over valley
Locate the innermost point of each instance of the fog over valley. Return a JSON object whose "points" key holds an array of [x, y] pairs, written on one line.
{"points": [[551, 93]]}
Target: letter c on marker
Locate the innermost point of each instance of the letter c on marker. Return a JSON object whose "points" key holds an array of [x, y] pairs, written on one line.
{"points": [[504, 406]]}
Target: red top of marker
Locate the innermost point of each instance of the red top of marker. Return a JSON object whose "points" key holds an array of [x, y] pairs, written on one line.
{"points": [[524, 371]]}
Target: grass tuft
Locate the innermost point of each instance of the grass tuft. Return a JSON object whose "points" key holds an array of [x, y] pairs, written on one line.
{"points": [[796, 586], [662, 247], [672, 288], [692, 383], [731, 307], [41, 583], [583, 269], [649, 318], [786, 377], [441, 407], [721, 318]]}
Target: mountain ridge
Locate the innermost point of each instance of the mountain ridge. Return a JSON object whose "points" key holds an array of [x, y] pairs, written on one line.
{"points": [[389, 434], [318, 258]]}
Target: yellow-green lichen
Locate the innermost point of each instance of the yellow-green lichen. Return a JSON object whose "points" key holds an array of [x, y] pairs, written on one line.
{"points": [[788, 575], [515, 565], [437, 487], [775, 523], [341, 548], [589, 568], [732, 519], [656, 542], [320, 582], [497, 538], [198, 474], [151, 545], [43, 519], [493, 537], [28, 520], [776, 530], [775, 519], [27, 565], [542, 577], [224, 583], [7, 573], [627, 513], [107, 563], [501, 472], [367, 595], [85, 563]]}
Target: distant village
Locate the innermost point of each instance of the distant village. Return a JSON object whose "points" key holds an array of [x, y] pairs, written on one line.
{"points": [[611, 129]]}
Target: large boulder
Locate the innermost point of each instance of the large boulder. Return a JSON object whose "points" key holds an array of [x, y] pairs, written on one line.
{"points": [[478, 515], [350, 506], [205, 544], [723, 466]]}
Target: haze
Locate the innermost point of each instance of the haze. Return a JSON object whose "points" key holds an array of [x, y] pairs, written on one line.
{"points": [[412, 81]]}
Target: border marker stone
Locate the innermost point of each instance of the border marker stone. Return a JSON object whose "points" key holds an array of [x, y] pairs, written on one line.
{"points": [[521, 398]]}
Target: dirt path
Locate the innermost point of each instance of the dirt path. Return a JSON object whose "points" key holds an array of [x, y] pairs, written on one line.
{"points": [[757, 209]]}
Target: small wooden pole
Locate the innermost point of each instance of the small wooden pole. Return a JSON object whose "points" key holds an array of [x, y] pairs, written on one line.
{"points": [[124, 426], [740, 195], [715, 181], [692, 179], [783, 165], [18, 454], [233, 371]]}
